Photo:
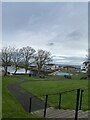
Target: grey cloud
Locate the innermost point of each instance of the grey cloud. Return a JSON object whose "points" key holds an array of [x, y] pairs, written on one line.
{"points": [[50, 44], [43, 27], [75, 35], [68, 60]]}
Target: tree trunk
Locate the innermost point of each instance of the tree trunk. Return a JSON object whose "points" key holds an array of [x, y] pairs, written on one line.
{"points": [[25, 70], [5, 70], [39, 71], [15, 70]]}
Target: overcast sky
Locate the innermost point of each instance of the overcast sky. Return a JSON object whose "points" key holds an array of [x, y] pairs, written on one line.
{"points": [[61, 28]]}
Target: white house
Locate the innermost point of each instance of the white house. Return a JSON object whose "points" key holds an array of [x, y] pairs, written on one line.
{"points": [[84, 66], [51, 66]]}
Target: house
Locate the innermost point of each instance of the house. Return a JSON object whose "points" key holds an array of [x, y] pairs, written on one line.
{"points": [[84, 66], [70, 68], [51, 66]]}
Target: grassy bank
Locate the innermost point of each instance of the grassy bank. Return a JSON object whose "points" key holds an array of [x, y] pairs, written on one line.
{"points": [[75, 76], [11, 108], [0, 97], [40, 88], [55, 84]]}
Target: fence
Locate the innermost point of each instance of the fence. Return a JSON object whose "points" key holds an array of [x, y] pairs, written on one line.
{"points": [[78, 101]]}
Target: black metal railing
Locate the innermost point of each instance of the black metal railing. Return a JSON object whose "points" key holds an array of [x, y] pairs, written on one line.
{"points": [[30, 100], [45, 105], [78, 102], [81, 95]]}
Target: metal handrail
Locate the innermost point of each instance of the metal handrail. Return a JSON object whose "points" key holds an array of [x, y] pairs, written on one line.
{"points": [[78, 99], [63, 92]]}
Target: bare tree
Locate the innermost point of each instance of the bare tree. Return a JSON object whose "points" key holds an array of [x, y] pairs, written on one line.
{"points": [[16, 59], [27, 55], [42, 57], [6, 57]]}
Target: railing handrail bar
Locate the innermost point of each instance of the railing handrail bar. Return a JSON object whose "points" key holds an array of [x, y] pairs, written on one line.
{"points": [[60, 92], [57, 93]]}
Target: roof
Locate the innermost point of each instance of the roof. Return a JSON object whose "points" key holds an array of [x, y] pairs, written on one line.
{"points": [[69, 67]]}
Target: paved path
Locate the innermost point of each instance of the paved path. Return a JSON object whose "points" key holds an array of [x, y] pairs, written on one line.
{"points": [[38, 105], [23, 96]]}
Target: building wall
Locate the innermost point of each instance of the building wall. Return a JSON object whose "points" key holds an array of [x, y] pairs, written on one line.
{"points": [[69, 68]]}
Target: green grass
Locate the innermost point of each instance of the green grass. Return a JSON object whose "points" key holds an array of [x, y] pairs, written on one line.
{"points": [[40, 88], [75, 76], [11, 108], [0, 97]]}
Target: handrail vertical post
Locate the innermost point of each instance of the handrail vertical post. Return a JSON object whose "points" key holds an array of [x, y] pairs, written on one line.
{"points": [[77, 104], [30, 102], [81, 99], [59, 100], [45, 105]]}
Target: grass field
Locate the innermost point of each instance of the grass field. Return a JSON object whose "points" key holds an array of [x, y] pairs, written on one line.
{"points": [[76, 76], [0, 97], [55, 84], [10, 106], [40, 88]]}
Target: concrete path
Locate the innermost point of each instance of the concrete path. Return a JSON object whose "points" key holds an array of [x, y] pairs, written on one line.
{"points": [[56, 113]]}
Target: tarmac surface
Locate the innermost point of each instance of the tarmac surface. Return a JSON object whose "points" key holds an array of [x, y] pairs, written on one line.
{"points": [[24, 97]]}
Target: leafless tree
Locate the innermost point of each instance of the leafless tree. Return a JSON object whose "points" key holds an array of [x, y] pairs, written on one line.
{"points": [[6, 57], [42, 57], [16, 59], [27, 55]]}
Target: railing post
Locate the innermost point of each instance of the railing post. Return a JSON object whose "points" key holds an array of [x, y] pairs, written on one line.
{"points": [[45, 105], [77, 104], [30, 102], [59, 100], [81, 99]]}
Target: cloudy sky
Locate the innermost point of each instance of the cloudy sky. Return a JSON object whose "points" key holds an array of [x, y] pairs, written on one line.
{"points": [[61, 28]]}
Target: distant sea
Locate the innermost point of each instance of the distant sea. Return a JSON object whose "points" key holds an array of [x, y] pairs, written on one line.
{"points": [[12, 69]]}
